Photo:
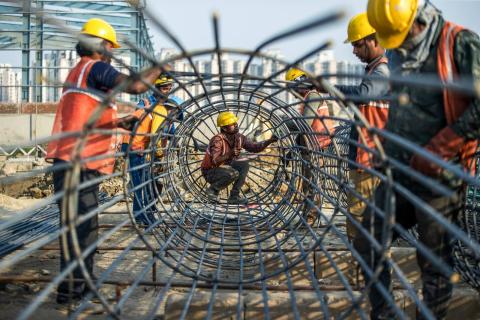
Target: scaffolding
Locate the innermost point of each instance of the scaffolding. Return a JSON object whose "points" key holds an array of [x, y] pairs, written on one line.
{"points": [[26, 30]]}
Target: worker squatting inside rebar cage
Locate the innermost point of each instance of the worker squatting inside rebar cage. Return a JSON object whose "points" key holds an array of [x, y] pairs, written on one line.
{"points": [[350, 202]]}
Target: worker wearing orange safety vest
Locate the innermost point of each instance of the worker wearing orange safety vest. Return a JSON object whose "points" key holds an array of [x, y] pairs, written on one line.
{"points": [[85, 88], [361, 36], [153, 114], [139, 141], [444, 122], [313, 110], [316, 114]]}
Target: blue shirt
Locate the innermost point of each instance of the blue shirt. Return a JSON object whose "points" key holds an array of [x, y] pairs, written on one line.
{"points": [[102, 76]]}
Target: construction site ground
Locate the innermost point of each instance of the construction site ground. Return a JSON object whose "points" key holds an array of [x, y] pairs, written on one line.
{"points": [[22, 283]]}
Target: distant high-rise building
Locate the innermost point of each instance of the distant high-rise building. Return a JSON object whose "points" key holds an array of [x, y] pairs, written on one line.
{"points": [[166, 53], [10, 84], [56, 66], [321, 64], [348, 68]]}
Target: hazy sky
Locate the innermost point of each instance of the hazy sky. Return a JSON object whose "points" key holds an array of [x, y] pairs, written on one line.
{"points": [[245, 23]]}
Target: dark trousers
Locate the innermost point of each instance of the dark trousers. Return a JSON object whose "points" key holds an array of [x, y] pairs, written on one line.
{"points": [[307, 165], [437, 288], [87, 232], [142, 197], [221, 177]]}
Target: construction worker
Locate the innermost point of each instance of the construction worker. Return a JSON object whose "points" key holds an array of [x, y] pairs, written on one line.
{"points": [[157, 108], [220, 166], [170, 107], [315, 113], [167, 110], [81, 97], [444, 122], [361, 36], [142, 199]]}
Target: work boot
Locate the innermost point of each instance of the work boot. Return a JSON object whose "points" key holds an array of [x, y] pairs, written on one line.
{"points": [[212, 194], [237, 199]]}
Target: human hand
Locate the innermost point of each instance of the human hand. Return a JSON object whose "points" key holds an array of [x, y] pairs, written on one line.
{"points": [[446, 144]]}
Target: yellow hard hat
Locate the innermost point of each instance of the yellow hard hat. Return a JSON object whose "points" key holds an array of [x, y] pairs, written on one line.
{"points": [[293, 74], [226, 118], [163, 79], [359, 28], [100, 28], [392, 20]]}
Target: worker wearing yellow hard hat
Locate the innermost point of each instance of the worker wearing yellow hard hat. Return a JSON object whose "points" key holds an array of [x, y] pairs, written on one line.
{"points": [[445, 123], [99, 28], [392, 20], [221, 165], [359, 28], [294, 74], [361, 36], [92, 74], [315, 112]]}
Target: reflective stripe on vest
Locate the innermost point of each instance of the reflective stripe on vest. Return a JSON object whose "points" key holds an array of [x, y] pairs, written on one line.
{"points": [[73, 112], [454, 103], [376, 113]]}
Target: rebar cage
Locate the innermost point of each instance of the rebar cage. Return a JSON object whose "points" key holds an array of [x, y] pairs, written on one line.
{"points": [[285, 254]]}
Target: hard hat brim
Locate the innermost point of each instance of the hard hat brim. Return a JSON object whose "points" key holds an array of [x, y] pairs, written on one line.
{"points": [[114, 44], [392, 41], [228, 122], [353, 40], [166, 83]]}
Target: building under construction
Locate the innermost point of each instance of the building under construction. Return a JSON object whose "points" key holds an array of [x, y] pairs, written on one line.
{"points": [[178, 253]]}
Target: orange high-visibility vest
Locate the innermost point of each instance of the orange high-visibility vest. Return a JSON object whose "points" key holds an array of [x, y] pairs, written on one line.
{"points": [[376, 113], [454, 103], [74, 110], [322, 124], [141, 137]]}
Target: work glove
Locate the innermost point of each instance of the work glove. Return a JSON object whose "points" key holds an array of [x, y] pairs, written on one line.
{"points": [[446, 144]]}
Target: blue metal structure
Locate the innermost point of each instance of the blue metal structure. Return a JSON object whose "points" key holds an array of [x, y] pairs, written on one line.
{"points": [[25, 27]]}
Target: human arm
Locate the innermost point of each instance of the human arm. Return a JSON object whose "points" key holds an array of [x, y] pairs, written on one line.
{"points": [[105, 77], [369, 87], [128, 122], [467, 59], [448, 142], [256, 147]]}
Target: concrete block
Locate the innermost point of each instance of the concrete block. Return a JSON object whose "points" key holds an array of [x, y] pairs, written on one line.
{"points": [[9, 169], [224, 306]]}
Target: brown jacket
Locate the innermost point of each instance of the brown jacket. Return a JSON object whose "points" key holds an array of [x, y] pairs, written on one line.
{"points": [[220, 151]]}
